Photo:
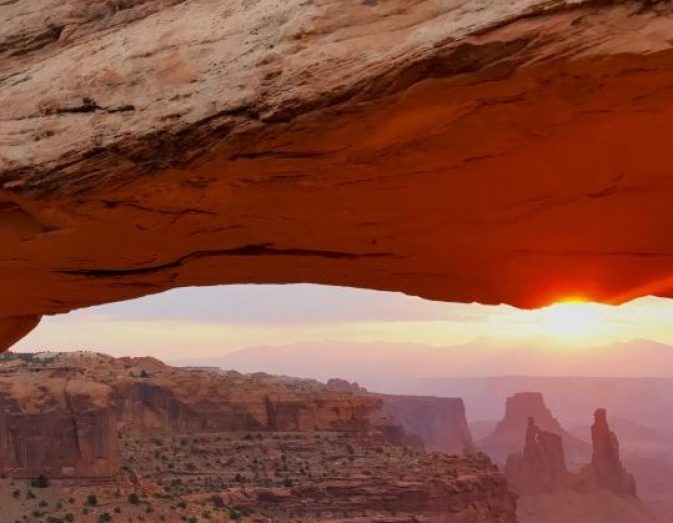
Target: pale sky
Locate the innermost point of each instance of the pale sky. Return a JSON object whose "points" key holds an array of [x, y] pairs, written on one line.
{"points": [[205, 322]]}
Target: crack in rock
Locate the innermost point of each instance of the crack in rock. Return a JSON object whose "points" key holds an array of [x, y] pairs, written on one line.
{"points": [[264, 249]]}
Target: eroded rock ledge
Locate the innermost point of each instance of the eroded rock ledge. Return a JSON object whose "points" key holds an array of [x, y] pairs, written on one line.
{"points": [[281, 448], [510, 152]]}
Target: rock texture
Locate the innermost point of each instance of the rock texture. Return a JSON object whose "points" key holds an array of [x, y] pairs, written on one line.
{"points": [[199, 440], [58, 427], [601, 492], [439, 423], [12, 329], [606, 465], [514, 428], [153, 144], [528, 472], [60, 414], [360, 483], [541, 467]]}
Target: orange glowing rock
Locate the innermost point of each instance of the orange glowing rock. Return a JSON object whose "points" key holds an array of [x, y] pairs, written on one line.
{"points": [[514, 153]]}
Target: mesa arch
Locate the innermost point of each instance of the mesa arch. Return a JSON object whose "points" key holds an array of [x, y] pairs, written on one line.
{"points": [[463, 150]]}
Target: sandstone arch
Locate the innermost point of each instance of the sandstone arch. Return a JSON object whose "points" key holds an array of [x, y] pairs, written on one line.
{"points": [[466, 150]]}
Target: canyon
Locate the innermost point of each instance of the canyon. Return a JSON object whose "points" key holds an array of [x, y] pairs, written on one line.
{"points": [[154, 144], [600, 491], [138, 435], [466, 150], [638, 406], [437, 423]]}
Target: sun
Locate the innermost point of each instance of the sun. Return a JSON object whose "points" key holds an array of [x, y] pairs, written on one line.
{"points": [[572, 320]]}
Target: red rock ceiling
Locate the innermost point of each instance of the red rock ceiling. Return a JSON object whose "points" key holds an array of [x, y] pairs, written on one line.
{"points": [[459, 151]]}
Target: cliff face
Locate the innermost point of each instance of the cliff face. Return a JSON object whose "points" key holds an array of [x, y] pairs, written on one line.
{"points": [[541, 467], [58, 427], [400, 145], [440, 423], [318, 478], [214, 405], [61, 418], [284, 448]]}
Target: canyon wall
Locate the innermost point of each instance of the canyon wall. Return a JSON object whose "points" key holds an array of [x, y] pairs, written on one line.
{"points": [[540, 467], [61, 418], [439, 423], [57, 427], [209, 405], [279, 446]]}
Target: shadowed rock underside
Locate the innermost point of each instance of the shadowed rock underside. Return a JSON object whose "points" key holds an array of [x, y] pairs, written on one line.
{"points": [[463, 151]]}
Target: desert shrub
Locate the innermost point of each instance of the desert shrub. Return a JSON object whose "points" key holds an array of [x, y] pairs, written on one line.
{"points": [[39, 482]]}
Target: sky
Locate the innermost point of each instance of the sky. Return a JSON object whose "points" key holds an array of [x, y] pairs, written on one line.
{"points": [[214, 321]]}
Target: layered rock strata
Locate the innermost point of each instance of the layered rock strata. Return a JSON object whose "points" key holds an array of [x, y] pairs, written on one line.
{"points": [[467, 151], [227, 444], [62, 428], [440, 423], [61, 414]]}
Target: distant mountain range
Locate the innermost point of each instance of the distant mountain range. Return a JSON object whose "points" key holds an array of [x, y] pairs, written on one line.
{"points": [[376, 360]]}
